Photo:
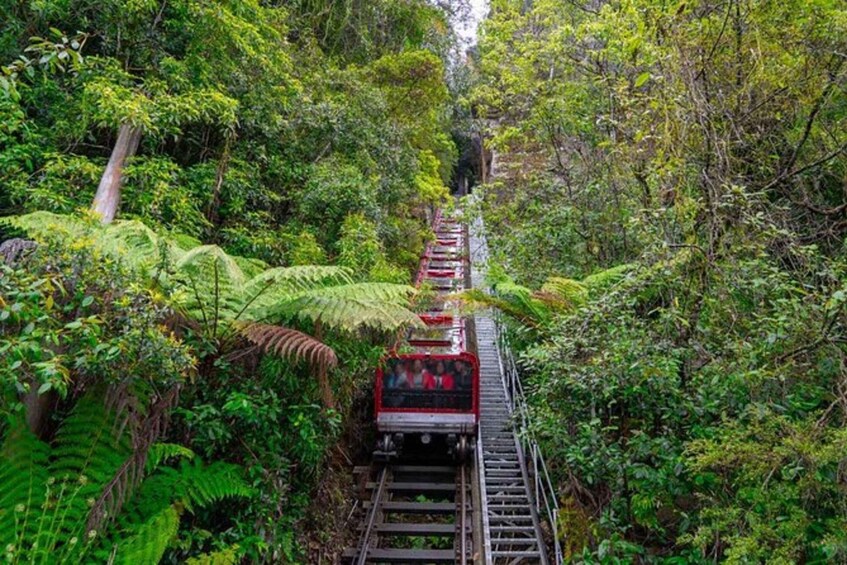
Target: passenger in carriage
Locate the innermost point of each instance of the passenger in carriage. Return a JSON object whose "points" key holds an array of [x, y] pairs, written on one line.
{"points": [[440, 379], [464, 375], [394, 380], [397, 376], [418, 376]]}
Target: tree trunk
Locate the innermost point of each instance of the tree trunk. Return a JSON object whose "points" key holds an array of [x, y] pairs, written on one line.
{"points": [[38, 408], [108, 196], [220, 175]]}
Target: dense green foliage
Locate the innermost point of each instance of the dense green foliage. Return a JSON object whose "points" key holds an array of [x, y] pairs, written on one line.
{"points": [[269, 220], [251, 135], [693, 409], [665, 207], [50, 493]]}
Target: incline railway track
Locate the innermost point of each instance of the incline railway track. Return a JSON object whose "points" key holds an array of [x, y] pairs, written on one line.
{"points": [[450, 480], [417, 514]]}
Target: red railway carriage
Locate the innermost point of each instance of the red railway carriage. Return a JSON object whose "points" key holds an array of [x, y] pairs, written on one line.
{"points": [[427, 388]]}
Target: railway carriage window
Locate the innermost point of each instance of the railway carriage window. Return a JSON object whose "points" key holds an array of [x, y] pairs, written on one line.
{"points": [[419, 384]]}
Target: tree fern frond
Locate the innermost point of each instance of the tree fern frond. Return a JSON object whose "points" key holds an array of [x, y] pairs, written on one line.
{"points": [[23, 483], [510, 288], [206, 484], [250, 266], [86, 455], [350, 314], [523, 300], [276, 285], [150, 540], [304, 277], [568, 291], [291, 344], [604, 279], [85, 444], [201, 262], [350, 307], [42, 225], [215, 284], [385, 292], [53, 488], [192, 484], [128, 241], [137, 245], [161, 452], [478, 298]]}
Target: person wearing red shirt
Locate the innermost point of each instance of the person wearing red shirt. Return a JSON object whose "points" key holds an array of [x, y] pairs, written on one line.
{"points": [[441, 380]]}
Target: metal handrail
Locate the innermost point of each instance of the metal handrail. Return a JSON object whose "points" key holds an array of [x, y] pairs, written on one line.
{"points": [[546, 501]]}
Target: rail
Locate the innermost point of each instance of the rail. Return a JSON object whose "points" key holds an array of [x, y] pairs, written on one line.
{"points": [[547, 504], [428, 502]]}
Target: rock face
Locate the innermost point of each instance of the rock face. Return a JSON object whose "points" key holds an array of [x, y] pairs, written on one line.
{"points": [[12, 249]]}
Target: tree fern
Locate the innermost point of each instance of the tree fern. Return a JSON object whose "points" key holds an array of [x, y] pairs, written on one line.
{"points": [[222, 291], [530, 308], [217, 288], [476, 298], [214, 284], [43, 225], [270, 287], [59, 483], [137, 245]]}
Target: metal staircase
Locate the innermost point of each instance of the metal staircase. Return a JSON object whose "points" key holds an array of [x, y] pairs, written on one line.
{"points": [[512, 531]]}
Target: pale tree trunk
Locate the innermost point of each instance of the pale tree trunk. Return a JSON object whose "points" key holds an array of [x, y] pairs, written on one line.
{"points": [[108, 196], [39, 407]]}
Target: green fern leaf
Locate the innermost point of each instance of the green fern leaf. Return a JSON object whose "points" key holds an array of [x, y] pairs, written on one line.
{"points": [[161, 452], [150, 540], [215, 284], [353, 306], [480, 299], [136, 245], [191, 485], [43, 225], [604, 279], [23, 483], [565, 293], [86, 456], [264, 291]]}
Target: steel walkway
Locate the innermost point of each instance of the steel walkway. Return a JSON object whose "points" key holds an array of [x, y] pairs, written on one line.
{"points": [[511, 530]]}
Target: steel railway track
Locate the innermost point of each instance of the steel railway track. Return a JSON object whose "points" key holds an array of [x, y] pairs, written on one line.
{"points": [[417, 514]]}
